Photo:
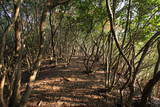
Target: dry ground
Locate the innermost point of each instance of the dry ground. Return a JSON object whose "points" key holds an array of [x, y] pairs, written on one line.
{"points": [[68, 87], [62, 86]]}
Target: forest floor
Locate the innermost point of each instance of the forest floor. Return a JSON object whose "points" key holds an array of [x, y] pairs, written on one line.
{"points": [[68, 87], [62, 86]]}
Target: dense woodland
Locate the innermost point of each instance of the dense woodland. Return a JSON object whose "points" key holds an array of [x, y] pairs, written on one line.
{"points": [[80, 53]]}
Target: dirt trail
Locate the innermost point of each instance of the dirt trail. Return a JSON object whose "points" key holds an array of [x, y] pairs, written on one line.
{"points": [[67, 87]]}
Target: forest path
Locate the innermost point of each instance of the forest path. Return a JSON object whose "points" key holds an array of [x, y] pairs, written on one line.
{"points": [[67, 87]]}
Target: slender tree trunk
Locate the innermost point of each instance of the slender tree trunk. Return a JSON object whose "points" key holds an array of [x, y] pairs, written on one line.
{"points": [[37, 63], [4, 37], [15, 96], [149, 86], [2, 102]]}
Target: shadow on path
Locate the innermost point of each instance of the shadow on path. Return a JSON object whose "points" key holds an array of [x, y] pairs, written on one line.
{"points": [[67, 87]]}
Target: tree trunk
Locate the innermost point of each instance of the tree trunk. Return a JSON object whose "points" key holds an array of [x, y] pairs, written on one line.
{"points": [[149, 86]]}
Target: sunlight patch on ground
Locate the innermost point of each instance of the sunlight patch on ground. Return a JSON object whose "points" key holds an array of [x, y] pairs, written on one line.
{"points": [[93, 96]]}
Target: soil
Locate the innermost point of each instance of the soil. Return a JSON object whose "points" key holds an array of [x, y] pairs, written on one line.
{"points": [[62, 86], [69, 86]]}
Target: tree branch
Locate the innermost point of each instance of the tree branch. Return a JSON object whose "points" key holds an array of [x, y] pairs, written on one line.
{"points": [[113, 32]]}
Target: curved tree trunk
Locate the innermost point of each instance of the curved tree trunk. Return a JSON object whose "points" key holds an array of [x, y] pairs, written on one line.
{"points": [[149, 86]]}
